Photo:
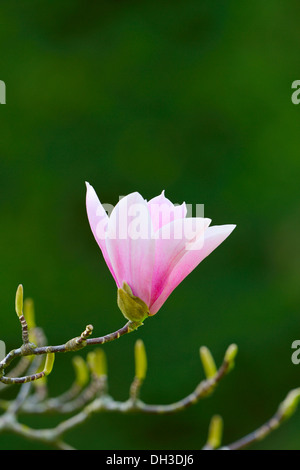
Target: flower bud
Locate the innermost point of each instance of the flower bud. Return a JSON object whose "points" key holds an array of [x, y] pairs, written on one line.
{"points": [[29, 313], [140, 360], [215, 432], [81, 371], [230, 356], [290, 403], [19, 300], [49, 363], [208, 362], [97, 362]]}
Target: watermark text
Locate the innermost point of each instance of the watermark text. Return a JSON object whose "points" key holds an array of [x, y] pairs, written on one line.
{"points": [[2, 92]]}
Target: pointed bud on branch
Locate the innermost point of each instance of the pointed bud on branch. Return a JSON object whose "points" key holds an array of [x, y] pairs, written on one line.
{"points": [[19, 301], [290, 404], [208, 362], [29, 313], [81, 371], [49, 363], [19, 311], [140, 360], [97, 362], [215, 432], [230, 356], [101, 362]]}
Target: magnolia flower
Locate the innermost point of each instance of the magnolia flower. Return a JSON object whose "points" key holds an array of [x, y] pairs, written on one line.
{"points": [[150, 247]]}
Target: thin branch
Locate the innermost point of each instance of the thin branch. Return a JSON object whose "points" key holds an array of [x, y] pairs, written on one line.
{"points": [[22, 380], [202, 390], [57, 405], [285, 410], [128, 328], [72, 345], [260, 433]]}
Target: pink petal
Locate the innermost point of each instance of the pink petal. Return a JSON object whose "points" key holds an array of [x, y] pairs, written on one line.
{"points": [[163, 211], [98, 220], [130, 245], [213, 237], [172, 242]]}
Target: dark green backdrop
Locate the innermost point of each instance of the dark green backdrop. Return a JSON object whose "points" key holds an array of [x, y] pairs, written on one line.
{"points": [[193, 97]]}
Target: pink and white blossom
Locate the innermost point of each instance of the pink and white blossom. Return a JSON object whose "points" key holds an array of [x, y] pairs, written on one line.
{"points": [[152, 246]]}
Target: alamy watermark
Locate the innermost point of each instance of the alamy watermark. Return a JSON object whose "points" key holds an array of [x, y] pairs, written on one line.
{"points": [[296, 94], [2, 92], [2, 350], [158, 221], [296, 354]]}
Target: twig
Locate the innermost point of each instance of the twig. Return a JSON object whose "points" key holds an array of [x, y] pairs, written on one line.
{"points": [[285, 410], [72, 345]]}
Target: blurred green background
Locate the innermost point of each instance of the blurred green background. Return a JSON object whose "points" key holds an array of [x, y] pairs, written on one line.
{"points": [[192, 97]]}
